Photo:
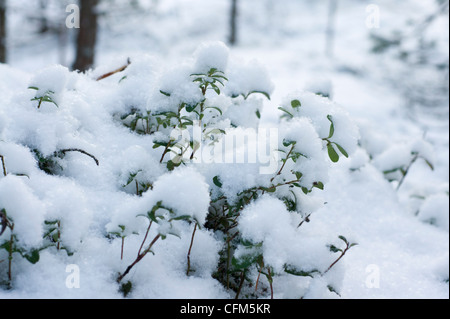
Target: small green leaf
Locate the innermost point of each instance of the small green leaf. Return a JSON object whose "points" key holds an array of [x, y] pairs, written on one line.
{"points": [[341, 149], [295, 103], [33, 256], [215, 108], [164, 93], [125, 288], [260, 92], [258, 114], [319, 185], [285, 111], [300, 273], [269, 189], [334, 249], [332, 153], [343, 239], [217, 182], [330, 135]]}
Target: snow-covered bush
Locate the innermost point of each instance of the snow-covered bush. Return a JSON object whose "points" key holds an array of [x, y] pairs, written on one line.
{"points": [[173, 162]]}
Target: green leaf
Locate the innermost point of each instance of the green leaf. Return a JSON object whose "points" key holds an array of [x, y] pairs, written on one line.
{"points": [[341, 149], [217, 182], [126, 288], [334, 249], [190, 108], [285, 111], [319, 185], [300, 273], [258, 114], [260, 92], [33, 256], [330, 135], [215, 107], [299, 175], [164, 93], [430, 165], [33, 88], [182, 217], [271, 189], [295, 103], [332, 153], [343, 239]]}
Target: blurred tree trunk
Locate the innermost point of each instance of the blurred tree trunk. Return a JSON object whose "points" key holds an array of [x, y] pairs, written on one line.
{"points": [[233, 22], [87, 35], [44, 27], [330, 33], [2, 31]]}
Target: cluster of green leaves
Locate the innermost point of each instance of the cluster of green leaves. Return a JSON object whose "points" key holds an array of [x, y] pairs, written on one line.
{"points": [[141, 185], [52, 236], [12, 245], [46, 97], [399, 173], [49, 164]]}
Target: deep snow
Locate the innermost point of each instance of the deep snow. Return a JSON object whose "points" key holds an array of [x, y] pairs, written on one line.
{"points": [[399, 254]]}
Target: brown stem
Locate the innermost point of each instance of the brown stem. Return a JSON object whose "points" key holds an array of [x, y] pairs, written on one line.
{"points": [[10, 251], [189, 252], [270, 282], [121, 248], [145, 237], [240, 285], [406, 171], [59, 236], [257, 280], [284, 163], [122, 68], [337, 260], [3, 165], [165, 152], [64, 151], [138, 259], [306, 219]]}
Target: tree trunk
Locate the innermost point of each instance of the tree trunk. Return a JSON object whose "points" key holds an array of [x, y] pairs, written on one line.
{"points": [[330, 33], [87, 35], [2, 31], [233, 22]]}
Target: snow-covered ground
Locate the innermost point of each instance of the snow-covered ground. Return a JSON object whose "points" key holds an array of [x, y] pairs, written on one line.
{"points": [[402, 235]]}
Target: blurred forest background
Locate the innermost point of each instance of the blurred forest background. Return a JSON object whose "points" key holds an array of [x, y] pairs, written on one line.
{"points": [[399, 44]]}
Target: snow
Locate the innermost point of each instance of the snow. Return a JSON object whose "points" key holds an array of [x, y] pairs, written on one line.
{"points": [[384, 111]]}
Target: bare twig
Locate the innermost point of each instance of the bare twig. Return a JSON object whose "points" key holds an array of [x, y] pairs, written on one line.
{"points": [[3, 165], [348, 246], [189, 252], [122, 68], [139, 258], [80, 151]]}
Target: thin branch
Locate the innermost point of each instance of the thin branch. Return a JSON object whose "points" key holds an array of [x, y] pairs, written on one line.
{"points": [[145, 237], [3, 165], [284, 163], [122, 68], [189, 252], [240, 285], [139, 258], [339, 258], [406, 171], [81, 151], [306, 219]]}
